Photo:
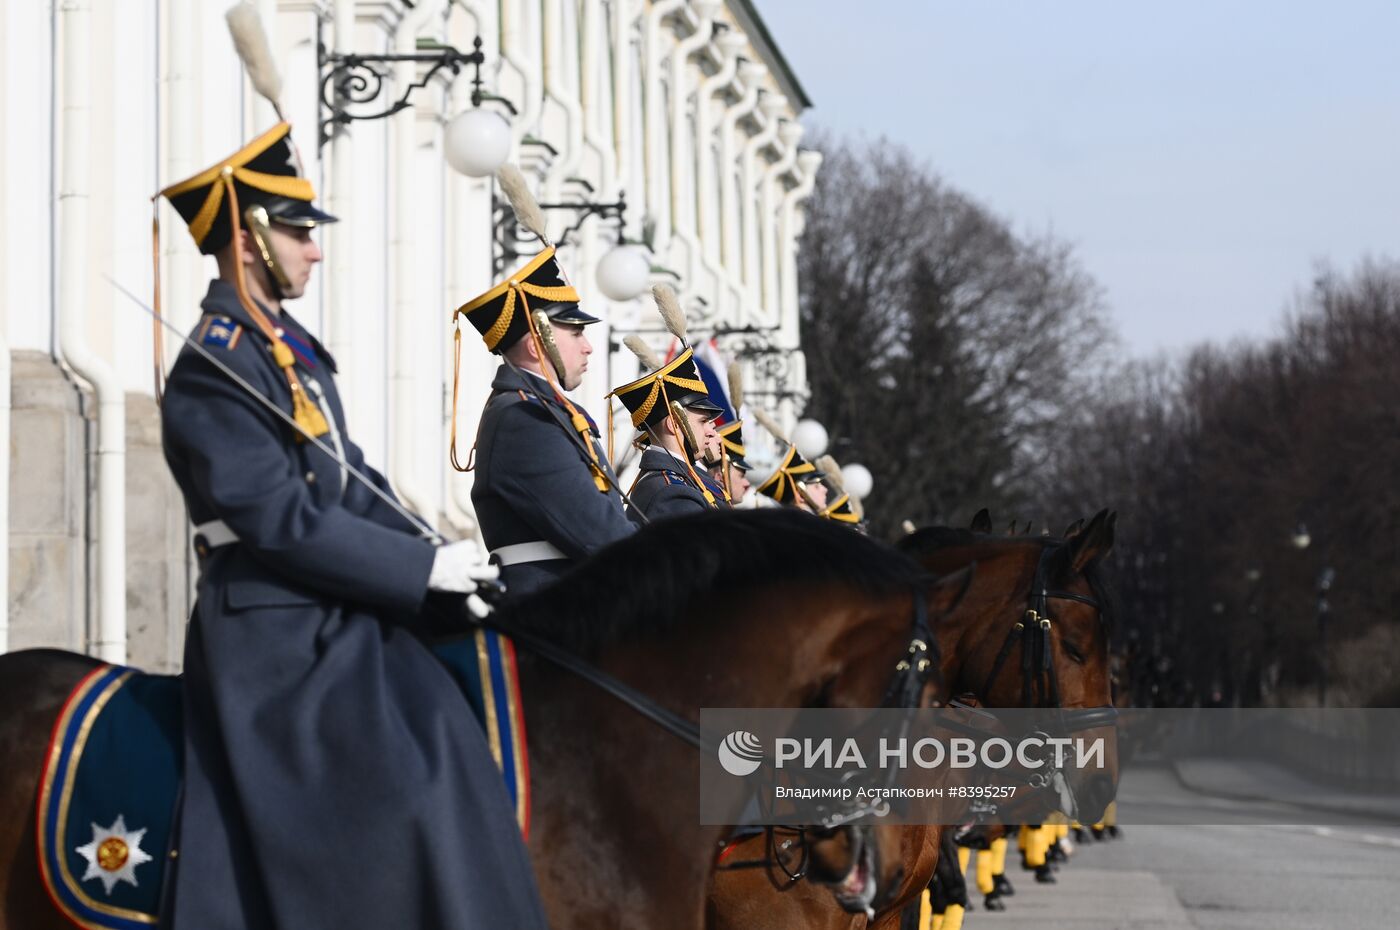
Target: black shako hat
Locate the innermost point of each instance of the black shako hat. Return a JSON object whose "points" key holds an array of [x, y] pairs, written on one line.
{"points": [[678, 381], [264, 172], [500, 314]]}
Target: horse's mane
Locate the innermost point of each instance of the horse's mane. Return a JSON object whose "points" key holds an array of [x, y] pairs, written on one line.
{"points": [[645, 585], [932, 538], [929, 538]]}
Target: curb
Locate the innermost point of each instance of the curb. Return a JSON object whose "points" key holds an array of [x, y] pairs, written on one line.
{"points": [[1386, 816]]}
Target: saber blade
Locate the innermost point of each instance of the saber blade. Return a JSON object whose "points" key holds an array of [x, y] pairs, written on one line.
{"points": [[412, 518]]}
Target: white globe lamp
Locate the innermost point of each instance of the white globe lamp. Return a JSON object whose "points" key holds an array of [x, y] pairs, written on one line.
{"points": [[810, 438], [624, 272], [857, 479], [477, 142]]}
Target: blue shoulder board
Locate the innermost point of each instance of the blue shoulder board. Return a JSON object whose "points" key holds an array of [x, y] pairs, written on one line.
{"points": [[220, 331], [673, 478]]}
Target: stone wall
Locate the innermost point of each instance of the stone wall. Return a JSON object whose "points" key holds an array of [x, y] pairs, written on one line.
{"points": [[159, 575], [53, 481], [48, 507]]}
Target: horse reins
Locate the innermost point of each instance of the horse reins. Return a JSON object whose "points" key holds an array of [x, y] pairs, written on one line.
{"points": [[910, 675]]}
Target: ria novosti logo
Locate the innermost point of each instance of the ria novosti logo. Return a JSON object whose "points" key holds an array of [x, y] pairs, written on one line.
{"points": [[741, 753]]}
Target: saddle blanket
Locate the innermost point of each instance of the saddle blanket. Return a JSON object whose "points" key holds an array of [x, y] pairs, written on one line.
{"points": [[111, 777]]}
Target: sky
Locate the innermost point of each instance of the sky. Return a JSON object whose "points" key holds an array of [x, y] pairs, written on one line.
{"points": [[1202, 156]]}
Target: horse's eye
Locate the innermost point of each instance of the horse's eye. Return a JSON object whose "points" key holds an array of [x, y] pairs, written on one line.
{"points": [[1072, 652]]}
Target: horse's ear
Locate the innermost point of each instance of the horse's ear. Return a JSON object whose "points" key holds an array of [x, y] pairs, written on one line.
{"points": [[1074, 529], [1011, 530], [982, 521], [1093, 544], [1028, 528], [945, 594]]}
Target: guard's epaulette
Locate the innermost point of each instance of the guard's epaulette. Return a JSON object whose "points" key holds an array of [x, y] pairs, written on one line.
{"points": [[673, 478], [219, 331]]}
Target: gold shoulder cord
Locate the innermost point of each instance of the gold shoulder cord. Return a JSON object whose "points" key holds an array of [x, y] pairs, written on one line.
{"points": [[579, 421], [307, 414], [688, 441]]}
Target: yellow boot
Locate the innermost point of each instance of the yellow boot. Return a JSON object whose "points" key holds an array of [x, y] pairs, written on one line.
{"points": [[984, 872]]}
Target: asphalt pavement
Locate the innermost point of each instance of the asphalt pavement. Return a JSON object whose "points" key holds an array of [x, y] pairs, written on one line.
{"points": [[1236, 874]]}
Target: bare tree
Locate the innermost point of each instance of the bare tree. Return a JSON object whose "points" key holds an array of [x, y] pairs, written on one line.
{"points": [[1213, 463], [942, 348]]}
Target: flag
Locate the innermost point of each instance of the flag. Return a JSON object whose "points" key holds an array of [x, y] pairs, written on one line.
{"points": [[713, 371]]}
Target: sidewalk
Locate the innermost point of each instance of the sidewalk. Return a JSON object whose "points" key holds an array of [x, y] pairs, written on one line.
{"points": [[1251, 780]]}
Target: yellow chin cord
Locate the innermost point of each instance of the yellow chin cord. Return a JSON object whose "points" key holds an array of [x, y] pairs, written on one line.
{"points": [[307, 415]]}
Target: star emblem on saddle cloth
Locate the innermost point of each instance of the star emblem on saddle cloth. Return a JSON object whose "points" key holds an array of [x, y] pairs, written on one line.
{"points": [[113, 854]]}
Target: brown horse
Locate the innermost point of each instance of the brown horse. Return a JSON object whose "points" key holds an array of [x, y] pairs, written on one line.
{"points": [[743, 609], [1030, 593], [1010, 572], [982, 642]]}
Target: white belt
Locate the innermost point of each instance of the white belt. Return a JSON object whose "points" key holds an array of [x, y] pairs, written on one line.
{"points": [[216, 533], [538, 551]]}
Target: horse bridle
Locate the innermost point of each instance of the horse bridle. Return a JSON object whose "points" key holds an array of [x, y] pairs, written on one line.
{"points": [[1040, 687], [911, 675]]}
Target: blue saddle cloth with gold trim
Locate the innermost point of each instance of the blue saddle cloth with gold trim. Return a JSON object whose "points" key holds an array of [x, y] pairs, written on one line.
{"points": [[107, 793]]}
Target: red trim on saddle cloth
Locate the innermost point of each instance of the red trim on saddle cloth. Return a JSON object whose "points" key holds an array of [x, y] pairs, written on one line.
{"points": [[50, 756], [522, 747]]}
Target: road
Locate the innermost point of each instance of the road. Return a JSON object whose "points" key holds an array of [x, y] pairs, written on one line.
{"points": [[1229, 876]]}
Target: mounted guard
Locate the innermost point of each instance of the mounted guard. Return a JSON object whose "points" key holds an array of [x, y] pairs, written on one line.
{"points": [[795, 481], [673, 413], [545, 494], [843, 508], [316, 723], [732, 469]]}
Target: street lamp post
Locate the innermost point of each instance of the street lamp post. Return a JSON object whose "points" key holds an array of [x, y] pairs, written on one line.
{"points": [[1324, 607]]}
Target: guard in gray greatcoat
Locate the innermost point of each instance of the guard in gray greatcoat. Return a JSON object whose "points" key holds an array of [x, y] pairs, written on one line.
{"points": [[334, 774], [674, 415], [545, 495], [536, 499]]}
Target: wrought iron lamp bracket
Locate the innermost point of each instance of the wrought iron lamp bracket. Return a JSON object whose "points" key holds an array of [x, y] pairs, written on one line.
{"points": [[508, 234], [353, 80]]}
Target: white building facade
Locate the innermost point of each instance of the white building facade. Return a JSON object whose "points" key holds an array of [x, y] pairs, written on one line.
{"points": [[685, 109]]}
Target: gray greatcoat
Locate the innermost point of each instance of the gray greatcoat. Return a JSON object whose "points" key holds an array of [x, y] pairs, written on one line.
{"points": [[334, 774], [533, 483], [665, 488]]}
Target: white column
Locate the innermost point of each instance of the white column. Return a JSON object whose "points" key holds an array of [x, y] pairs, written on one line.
{"points": [[592, 94], [404, 243], [338, 286], [809, 163], [751, 75], [683, 155], [180, 262], [708, 217], [788, 134], [521, 49], [771, 106], [562, 86], [629, 173], [654, 124]]}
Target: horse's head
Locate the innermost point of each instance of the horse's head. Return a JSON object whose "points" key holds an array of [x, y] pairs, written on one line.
{"points": [[866, 867], [888, 661], [1034, 599]]}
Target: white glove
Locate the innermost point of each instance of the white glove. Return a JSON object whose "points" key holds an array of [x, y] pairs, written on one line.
{"points": [[458, 566]]}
